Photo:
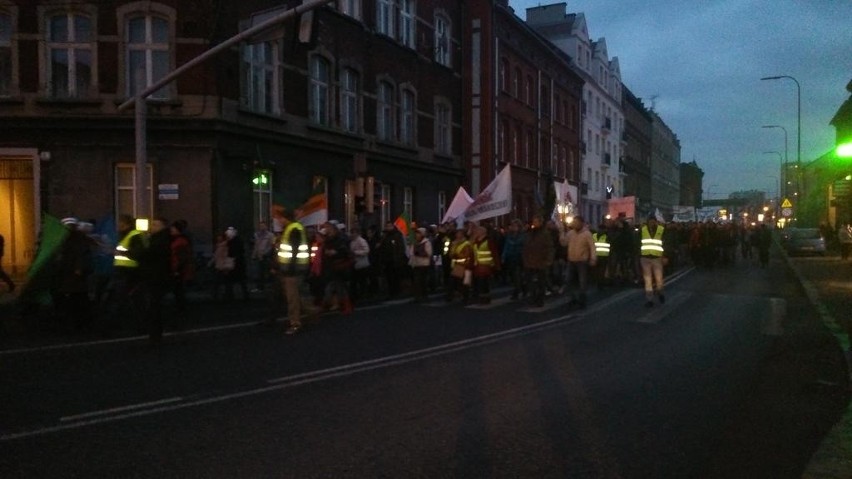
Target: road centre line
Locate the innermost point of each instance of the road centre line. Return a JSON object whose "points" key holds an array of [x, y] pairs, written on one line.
{"points": [[280, 384], [105, 412]]}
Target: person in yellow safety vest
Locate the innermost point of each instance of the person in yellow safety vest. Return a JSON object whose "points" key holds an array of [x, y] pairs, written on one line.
{"points": [[652, 256], [131, 245], [486, 262], [293, 258], [461, 275], [602, 251], [126, 288]]}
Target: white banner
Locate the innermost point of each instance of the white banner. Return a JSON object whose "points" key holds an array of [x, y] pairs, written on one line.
{"points": [[495, 199], [460, 204], [707, 213], [683, 214]]}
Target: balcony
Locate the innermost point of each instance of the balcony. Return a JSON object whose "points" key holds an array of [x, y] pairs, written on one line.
{"points": [[606, 127], [584, 188], [607, 159], [624, 138]]}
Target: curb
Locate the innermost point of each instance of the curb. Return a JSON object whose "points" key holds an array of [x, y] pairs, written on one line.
{"points": [[833, 457]]}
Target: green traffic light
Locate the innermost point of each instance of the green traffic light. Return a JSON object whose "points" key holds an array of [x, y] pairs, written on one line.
{"points": [[260, 179], [844, 150]]}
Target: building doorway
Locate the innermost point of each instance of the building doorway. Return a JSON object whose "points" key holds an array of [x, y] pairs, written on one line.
{"points": [[18, 211]]}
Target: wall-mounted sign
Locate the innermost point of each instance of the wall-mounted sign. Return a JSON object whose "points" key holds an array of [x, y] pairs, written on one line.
{"points": [[168, 191]]}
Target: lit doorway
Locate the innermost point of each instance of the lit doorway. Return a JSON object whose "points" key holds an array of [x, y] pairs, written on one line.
{"points": [[18, 211]]}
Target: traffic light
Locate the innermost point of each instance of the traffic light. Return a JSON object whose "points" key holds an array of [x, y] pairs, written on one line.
{"points": [[260, 178]]}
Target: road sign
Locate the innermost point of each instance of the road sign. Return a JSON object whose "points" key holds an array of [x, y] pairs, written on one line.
{"points": [[786, 203], [786, 212]]}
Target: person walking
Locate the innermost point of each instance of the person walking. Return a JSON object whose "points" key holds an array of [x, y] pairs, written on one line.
{"points": [[261, 255], [236, 255], [74, 264], [512, 259], [182, 268], [359, 287], [602, 239], [538, 254], [293, 261], [126, 290], [391, 255], [155, 266], [5, 277], [652, 254], [338, 262], [461, 259], [581, 256], [486, 263], [420, 261]]}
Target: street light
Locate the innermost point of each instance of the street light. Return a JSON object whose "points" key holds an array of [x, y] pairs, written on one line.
{"points": [[799, 122], [785, 149], [781, 170]]}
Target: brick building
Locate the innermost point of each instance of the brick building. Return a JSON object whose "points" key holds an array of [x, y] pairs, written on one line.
{"points": [[523, 101], [355, 90]]}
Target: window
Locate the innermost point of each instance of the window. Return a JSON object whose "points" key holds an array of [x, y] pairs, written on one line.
{"points": [[384, 17], [5, 54], [516, 83], [504, 65], [570, 166], [443, 127], [350, 7], [545, 101], [350, 113], [408, 200], [502, 147], [442, 205], [513, 151], [408, 117], [384, 110], [528, 91], [318, 95], [529, 155], [407, 22], [125, 191], [69, 50], [443, 40], [260, 77], [147, 54]]}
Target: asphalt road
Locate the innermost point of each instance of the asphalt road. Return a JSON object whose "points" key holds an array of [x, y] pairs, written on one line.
{"points": [[732, 377]]}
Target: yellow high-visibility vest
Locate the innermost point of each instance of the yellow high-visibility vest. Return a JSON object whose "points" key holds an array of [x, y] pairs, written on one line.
{"points": [[457, 250], [483, 254], [601, 244], [121, 249], [286, 255], [652, 246]]}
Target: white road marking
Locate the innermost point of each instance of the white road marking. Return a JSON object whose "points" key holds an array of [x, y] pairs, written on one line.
{"points": [[114, 410]]}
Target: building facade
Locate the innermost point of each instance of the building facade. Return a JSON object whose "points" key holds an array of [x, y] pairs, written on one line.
{"points": [[603, 120], [355, 98], [636, 161], [665, 165], [523, 100], [691, 179]]}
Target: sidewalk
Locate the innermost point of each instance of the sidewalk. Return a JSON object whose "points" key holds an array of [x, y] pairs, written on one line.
{"points": [[828, 285]]}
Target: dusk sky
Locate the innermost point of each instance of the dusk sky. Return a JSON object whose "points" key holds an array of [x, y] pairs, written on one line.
{"points": [[703, 61]]}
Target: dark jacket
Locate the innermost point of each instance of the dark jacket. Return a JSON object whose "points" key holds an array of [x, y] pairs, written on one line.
{"points": [[538, 251]]}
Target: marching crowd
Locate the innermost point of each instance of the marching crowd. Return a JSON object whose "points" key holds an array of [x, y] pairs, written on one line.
{"points": [[314, 269]]}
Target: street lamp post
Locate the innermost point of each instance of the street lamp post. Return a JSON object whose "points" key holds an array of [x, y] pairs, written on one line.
{"points": [[781, 170], [785, 149], [799, 123]]}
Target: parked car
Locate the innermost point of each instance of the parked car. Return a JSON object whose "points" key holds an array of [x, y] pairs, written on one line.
{"points": [[804, 241]]}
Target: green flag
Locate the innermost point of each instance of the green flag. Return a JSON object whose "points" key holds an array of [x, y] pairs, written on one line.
{"points": [[53, 234]]}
